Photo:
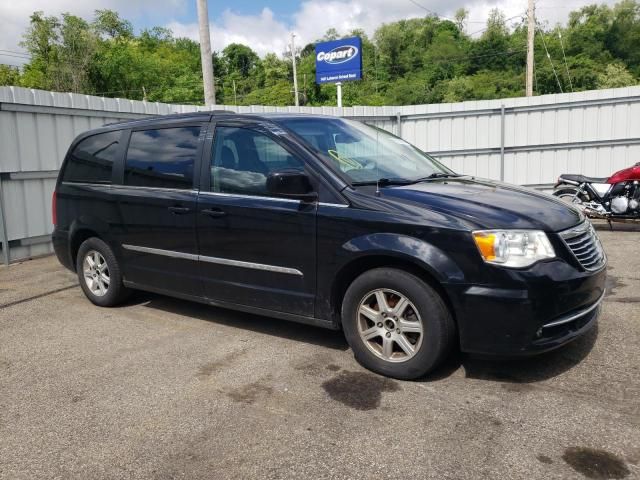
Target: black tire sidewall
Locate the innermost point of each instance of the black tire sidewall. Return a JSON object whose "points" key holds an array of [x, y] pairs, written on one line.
{"points": [[438, 325], [116, 291], [571, 190]]}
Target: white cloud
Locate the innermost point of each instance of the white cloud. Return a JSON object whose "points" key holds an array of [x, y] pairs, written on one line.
{"points": [[262, 32]]}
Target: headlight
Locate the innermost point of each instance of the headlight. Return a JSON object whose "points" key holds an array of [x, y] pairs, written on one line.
{"points": [[513, 248]]}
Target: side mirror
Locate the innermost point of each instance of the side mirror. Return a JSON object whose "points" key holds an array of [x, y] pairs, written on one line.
{"points": [[291, 184]]}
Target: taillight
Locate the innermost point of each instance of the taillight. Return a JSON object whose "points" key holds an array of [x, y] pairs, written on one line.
{"points": [[54, 213]]}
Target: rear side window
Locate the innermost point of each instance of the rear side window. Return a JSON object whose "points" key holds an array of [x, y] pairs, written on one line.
{"points": [[162, 158], [91, 161]]}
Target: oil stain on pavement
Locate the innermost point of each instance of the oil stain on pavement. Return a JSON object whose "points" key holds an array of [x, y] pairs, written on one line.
{"points": [[594, 463], [251, 392], [359, 390], [612, 284], [544, 459]]}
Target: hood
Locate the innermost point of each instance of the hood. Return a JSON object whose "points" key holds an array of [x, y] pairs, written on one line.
{"points": [[488, 204]]}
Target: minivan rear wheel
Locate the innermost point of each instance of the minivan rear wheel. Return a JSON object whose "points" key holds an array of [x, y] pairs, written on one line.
{"points": [[396, 324], [99, 273]]}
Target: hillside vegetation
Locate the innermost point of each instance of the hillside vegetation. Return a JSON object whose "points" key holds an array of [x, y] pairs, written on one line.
{"points": [[421, 60]]}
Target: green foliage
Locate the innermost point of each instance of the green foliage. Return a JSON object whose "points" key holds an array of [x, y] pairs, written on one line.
{"points": [[419, 60], [9, 75], [615, 76]]}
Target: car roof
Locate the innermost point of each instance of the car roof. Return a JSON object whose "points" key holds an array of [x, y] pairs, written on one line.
{"points": [[207, 115]]}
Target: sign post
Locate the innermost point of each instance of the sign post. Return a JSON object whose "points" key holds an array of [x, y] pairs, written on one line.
{"points": [[339, 61]]}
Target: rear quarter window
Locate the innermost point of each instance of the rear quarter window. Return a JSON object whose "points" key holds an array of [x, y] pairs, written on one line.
{"points": [[91, 160]]}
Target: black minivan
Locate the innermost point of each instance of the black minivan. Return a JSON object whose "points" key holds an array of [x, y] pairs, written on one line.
{"points": [[329, 222]]}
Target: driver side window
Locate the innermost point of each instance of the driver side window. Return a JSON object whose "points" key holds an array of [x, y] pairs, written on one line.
{"points": [[243, 158]]}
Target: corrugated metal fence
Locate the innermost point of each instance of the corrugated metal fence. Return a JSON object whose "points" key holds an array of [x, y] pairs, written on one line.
{"points": [[527, 141]]}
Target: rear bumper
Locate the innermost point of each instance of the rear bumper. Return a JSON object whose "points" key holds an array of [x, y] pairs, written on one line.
{"points": [[555, 305], [61, 246]]}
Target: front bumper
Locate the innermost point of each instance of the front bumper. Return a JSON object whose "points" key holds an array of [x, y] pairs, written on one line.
{"points": [[552, 304]]}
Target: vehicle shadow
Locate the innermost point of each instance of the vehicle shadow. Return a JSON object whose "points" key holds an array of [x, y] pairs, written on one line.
{"points": [[520, 369], [616, 226], [245, 321], [498, 369]]}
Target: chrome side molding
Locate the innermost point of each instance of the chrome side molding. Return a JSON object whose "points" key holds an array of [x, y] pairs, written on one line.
{"points": [[216, 260]]}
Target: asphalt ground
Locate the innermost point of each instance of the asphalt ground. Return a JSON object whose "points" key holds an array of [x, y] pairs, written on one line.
{"points": [[162, 388]]}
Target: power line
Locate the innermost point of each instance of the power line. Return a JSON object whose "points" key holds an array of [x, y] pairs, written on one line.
{"points": [[24, 54], [430, 11], [520, 16], [437, 14], [550, 61], [14, 56], [566, 65]]}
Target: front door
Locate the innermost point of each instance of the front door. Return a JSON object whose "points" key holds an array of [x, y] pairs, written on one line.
{"points": [[156, 201], [255, 249]]}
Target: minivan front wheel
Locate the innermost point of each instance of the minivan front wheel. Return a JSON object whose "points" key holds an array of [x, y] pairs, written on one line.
{"points": [[396, 324], [99, 273]]}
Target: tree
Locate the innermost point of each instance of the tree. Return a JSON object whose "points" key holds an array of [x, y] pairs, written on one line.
{"points": [[9, 75], [109, 23], [61, 52], [461, 16], [239, 58], [616, 75], [76, 50]]}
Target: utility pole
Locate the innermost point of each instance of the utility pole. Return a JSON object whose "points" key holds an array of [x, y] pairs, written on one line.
{"points": [[235, 95], [530, 38], [205, 54], [295, 75]]}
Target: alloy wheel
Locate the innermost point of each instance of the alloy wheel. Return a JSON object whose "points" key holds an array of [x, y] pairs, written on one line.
{"points": [[96, 273], [390, 325], [571, 198]]}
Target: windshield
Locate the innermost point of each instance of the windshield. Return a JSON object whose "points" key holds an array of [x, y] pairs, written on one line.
{"points": [[366, 154]]}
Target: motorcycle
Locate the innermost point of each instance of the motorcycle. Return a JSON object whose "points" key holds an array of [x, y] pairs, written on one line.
{"points": [[614, 198]]}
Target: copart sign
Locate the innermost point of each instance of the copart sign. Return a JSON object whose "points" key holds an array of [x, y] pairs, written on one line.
{"points": [[339, 60]]}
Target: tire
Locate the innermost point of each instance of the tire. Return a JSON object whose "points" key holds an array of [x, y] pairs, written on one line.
{"points": [[92, 280], [570, 191], [423, 309]]}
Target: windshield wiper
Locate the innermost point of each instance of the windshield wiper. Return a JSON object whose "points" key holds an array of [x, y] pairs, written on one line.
{"points": [[436, 175], [383, 182], [404, 181]]}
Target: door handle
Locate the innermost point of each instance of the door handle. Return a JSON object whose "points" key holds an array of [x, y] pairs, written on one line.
{"points": [[179, 210], [213, 212]]}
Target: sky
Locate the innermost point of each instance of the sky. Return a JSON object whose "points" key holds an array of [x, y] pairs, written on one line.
{"points": [[265, 26]]}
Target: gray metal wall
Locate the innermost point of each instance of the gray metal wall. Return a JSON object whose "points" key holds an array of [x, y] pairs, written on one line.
{"points": [[528, 141]]}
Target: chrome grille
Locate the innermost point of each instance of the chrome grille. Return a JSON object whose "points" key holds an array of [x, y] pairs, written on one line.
{"points": [[585, 245]]}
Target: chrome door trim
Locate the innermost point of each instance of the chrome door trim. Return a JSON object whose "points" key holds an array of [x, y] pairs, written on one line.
{"points": [[159, 251], [253, 197], [338, 205], [154, 189], [216, 260], [275, 199], [254, 266]]}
